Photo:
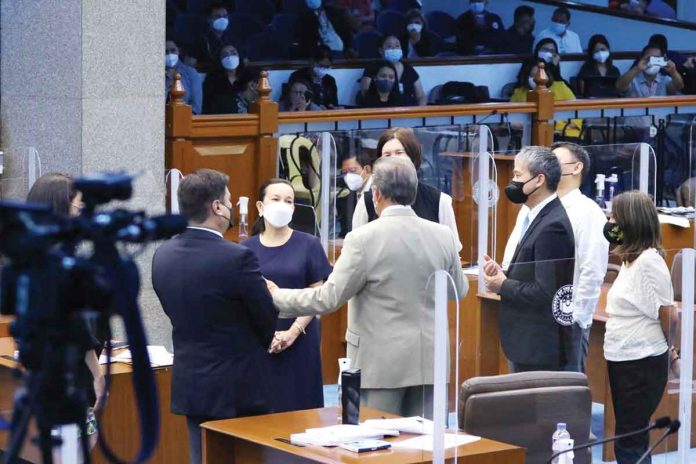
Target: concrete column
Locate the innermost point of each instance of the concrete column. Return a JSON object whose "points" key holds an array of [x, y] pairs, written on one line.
{"points": [[81, 81]]}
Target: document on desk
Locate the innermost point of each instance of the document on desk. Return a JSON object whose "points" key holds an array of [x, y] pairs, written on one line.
{"points": [[673, 220], [425, 442], [414, 424], [334, 435], [159, 357]]}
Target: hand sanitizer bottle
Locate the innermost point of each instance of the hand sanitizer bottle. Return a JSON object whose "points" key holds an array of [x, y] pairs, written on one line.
{"points": [[243, 204]]}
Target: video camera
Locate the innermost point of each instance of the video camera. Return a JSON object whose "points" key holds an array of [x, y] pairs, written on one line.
{"points": [[63, 279]]}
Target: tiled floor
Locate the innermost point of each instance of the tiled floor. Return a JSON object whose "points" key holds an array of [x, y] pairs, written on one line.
{"points": [[331, 399]]}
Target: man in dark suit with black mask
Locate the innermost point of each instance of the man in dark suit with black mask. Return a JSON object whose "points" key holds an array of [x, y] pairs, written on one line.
{"points": [[535, 315], [222, 315]]}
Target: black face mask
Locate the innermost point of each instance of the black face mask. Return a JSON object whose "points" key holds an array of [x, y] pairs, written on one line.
{"points": [[515, 191], [613, 233], [231, 219]]}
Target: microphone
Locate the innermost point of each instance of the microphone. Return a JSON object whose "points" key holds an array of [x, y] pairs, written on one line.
{"points": [[673, 427], [659, 423]]}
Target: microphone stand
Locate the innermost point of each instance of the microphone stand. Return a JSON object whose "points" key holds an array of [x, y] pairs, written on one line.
{"points": [[673, 427], [658, 424]]}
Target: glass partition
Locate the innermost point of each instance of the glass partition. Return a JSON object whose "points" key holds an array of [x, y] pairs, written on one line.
{"points": [[21, 166]]}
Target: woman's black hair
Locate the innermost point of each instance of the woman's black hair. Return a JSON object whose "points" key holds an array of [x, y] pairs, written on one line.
{"points": [[395, 94], [553, 70], [260, 224], [242, 61], [594, 40]]}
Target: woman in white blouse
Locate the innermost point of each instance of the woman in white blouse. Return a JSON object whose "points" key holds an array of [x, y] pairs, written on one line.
{"points": [[430, 204], [642, 321]]}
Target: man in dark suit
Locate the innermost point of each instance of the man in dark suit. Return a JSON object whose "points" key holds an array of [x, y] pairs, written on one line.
{"points": [[536, 317], [222, 315], [323, 23], [478, 31]]}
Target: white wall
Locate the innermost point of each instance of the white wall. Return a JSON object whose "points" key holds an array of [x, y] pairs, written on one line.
{"points": [[623, 34], [495, 76]]}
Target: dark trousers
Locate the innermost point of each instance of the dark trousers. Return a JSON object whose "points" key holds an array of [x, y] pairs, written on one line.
{"points": [[194, 437], [575, 350], [636, 390]]}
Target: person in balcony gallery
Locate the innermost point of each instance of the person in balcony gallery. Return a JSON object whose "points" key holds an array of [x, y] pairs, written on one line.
{"points": [[407, 78], [190, 79]]}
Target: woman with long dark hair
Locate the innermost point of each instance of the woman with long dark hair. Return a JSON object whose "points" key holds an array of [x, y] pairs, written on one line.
{"points": [[291, 259], [384, 90], [546, 51], [598, 75], [223, 85], [57, 191], [638, 343]]}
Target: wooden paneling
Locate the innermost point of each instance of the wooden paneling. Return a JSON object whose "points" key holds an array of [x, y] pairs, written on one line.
{"points": [[119, 421]]}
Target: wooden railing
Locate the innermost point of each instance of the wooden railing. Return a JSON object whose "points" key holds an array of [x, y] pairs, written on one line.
{"points": [[246, 146]]}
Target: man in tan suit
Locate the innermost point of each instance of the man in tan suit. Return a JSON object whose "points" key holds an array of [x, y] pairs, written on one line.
{"points": [[383, 274]]}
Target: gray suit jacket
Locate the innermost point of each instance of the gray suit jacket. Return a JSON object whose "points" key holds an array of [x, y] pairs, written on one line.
{"points": [[383, 273]]}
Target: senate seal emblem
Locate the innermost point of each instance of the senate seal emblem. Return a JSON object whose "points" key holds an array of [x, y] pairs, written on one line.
{"points": [[560, 307]]}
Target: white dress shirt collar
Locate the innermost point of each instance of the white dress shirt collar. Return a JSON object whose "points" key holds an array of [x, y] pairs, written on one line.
{"points": [[396, 208], [216, 232], [534, 212]]}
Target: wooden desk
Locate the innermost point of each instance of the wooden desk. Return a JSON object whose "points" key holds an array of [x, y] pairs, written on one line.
{"points": [[119, 422], [252, 440], [5, 322]]}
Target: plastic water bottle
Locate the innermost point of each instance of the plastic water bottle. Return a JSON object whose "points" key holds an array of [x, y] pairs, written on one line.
{"points": [[560, 434]]}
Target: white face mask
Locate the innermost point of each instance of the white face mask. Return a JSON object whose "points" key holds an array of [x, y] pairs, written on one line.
{"points": [[277, 214], [353, 181], [652, 70], [171, 59], [230, 62], [546, 56], [601, 56], [414, 27], [532, 83], [221, 24]]}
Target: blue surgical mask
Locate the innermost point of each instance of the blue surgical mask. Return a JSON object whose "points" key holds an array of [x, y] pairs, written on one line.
{"points": [[477, 7], [230, 62], [313, 4], [558, 28], [545, 55], [221, 24], [384, 85], [393, 54], [171, 59]]}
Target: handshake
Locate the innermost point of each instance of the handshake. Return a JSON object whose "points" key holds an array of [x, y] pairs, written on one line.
{"points": [[283, 339]]}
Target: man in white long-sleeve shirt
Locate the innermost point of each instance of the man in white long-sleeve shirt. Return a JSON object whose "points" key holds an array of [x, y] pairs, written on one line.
{"points": [[591, 248]]}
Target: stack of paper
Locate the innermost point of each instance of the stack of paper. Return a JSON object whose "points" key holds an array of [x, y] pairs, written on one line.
{"points": [[334, 435], [414, 424], [159, 357], [425, 442]]}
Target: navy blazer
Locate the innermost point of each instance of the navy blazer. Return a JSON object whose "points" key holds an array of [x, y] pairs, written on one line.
{"points": [[223, 322], [542, 265]]}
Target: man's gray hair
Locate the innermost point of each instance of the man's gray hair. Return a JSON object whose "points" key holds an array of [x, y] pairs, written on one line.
{"points": [[541, 160], [396, 179]]}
